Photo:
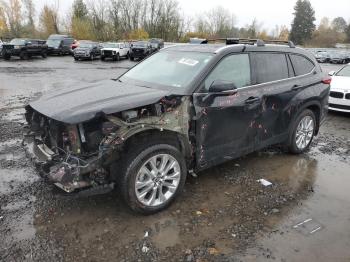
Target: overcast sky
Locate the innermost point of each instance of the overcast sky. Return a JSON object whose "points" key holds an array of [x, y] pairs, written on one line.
{"points": [[267, 12]]}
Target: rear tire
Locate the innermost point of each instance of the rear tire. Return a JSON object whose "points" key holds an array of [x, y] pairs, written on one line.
{"points": [[302, 132], [162, 187], [132, 58], [43, 54]]}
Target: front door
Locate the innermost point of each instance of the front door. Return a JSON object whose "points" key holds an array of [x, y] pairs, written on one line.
{"points": [[225, 124]]}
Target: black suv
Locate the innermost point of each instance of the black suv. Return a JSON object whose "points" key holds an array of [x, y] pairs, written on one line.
{"points": [[87, 50], [24, 48], [140, 49], [59, 44], [182, 110]]}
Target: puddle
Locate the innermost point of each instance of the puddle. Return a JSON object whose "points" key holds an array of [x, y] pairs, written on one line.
{"points": [[323, 233]]}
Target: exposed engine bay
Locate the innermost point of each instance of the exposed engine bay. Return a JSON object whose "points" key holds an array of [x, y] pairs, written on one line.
{"points": [[79, 156]]}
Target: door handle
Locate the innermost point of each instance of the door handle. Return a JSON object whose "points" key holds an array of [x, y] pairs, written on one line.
{"points": [[252, 100], [296, 87]]}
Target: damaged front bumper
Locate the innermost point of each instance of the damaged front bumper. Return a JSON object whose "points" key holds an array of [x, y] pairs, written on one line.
{"points": [[67, 172]]}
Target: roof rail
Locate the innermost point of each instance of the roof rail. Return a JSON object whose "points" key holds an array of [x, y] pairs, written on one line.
{"points": [[258, 42], [289, 43]]}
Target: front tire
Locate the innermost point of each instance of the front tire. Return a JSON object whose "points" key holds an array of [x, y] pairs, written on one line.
{"points": [[302, 132], [23, 56], [152, 177]]}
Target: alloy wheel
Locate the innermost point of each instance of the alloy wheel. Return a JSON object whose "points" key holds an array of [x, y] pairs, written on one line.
{"points": [[157, 180], [304, 132]]}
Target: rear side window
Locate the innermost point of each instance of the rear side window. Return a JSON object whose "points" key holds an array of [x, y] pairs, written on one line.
{"points": [[233, 68], [301, 64], [269, 67]]}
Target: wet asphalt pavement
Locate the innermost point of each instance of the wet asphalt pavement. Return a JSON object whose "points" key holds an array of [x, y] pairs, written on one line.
{"points": [[223, 215]]}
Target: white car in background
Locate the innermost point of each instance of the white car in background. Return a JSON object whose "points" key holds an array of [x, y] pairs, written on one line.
{"points": [[339, 97], [114, 51]]}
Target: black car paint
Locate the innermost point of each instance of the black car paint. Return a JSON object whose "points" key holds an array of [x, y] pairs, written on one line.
{"points": [[78, 104], [64, 47], [223, 126], [31, 47], [93, 51], [253, 126], [140, 51]]}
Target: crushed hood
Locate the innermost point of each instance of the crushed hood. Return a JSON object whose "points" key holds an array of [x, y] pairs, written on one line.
{"points": [[82, 103]]}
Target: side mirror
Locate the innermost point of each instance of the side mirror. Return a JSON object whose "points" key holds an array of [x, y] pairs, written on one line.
{"points": [[331, 73], [219, 86]]}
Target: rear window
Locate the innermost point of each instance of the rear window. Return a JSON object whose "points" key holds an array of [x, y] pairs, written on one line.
{"points": [[301, 64], [269, 67]]}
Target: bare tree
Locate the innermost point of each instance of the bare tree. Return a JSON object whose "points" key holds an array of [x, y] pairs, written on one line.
{"points": [[49, 19]]}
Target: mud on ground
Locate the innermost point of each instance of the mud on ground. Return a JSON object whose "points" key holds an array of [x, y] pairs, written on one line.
{"points": [[224, 214]]}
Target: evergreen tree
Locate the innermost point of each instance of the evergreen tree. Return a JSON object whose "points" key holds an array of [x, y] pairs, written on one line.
{"points": [[304, 22]]}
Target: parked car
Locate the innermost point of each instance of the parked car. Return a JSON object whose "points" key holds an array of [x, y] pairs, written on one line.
{"points": [[114, 51], [337, 58], [322, 57], [339, 97], [87, 50], [140, 49], [182, 110], [156, 44], [24, 48], [59, 44]]}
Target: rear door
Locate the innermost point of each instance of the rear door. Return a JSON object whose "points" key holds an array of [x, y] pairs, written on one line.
{"points": [[275, 76], [224, 122], [272, 77]]}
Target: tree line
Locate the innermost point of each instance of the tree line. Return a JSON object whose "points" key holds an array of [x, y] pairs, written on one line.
{"points": [[103, 20]]}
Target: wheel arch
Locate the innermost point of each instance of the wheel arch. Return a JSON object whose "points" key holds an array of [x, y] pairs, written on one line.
{"points": [[315, 107], [173, 138]]}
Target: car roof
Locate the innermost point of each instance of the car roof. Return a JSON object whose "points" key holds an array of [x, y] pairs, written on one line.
{"points": [[217, 48]]}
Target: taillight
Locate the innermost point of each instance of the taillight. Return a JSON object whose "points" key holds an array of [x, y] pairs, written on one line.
{"points": [[327, 80]]}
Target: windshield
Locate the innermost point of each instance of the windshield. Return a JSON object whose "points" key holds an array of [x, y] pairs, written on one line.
{"points": [[17, 41], [140, 44], [321, 54], [86, 45], [173, 69], [110, 45], [53, 42], [344, 72]]}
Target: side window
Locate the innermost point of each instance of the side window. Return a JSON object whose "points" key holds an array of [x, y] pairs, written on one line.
{"points": [[269, 67], [301, 64], [233, 68]]}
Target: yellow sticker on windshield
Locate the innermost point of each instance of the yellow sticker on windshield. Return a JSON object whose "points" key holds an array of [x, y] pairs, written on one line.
{"points": [[187, 61]]}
